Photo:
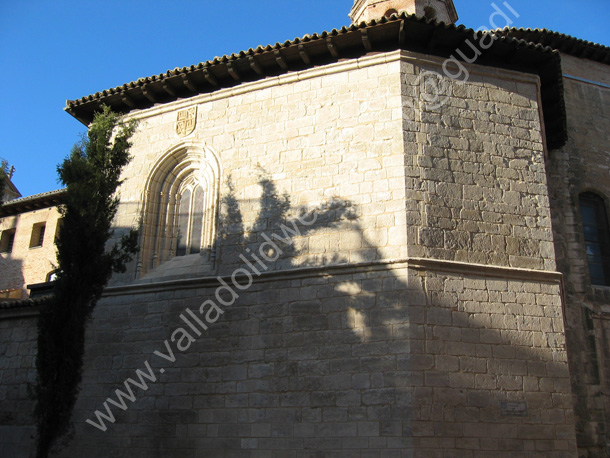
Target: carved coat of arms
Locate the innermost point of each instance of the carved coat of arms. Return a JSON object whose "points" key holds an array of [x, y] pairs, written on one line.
{"points": [[185, 124]]}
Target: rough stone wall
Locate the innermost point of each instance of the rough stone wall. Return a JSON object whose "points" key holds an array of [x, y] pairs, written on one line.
{"points": [[25, 264], [583, 165], [488, 361], [475, 173], [477, 194], [402, 323], [372, 361], [326, 134], [17, 371]]}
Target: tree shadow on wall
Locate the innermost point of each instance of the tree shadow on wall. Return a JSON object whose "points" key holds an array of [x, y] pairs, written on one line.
{"points": [[332, 351], [276, 218], [387, 356], [12, 281]]}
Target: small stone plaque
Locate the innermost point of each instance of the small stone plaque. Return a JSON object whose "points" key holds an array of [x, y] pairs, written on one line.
{"points": [[513, 409], [185, 123]]}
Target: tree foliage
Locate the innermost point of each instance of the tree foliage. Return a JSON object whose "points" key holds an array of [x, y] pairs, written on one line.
{"points": [[91, 175]]}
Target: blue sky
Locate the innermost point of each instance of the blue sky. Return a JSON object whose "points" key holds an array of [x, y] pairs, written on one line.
{"points": [[53, 50]]}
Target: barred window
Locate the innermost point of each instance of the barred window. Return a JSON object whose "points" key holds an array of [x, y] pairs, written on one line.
{"points": [[597, 237], [37, 238], [7, 241]]}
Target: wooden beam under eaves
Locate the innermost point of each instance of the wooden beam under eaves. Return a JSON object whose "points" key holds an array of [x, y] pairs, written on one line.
{"points": [[304, 55], [188, 83], [255, 66], [149, 95], [169, 90], [127, 100], [332, 48], [232, 71], [209, 77], [365, 40], [280, 60]]}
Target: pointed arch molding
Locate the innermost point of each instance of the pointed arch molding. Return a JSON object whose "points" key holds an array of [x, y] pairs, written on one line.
{"points": [[185, 166]]}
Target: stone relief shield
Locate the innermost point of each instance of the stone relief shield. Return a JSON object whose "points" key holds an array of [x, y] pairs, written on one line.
{"points": [[185, 123]]}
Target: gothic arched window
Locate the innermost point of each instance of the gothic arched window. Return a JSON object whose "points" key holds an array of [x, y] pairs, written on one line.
{"points": [[597, 237], [190, 220], [180, 208]]}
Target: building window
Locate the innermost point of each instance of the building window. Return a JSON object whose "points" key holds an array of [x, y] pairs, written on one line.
{"points": [[7, 241], [181, 208], [190, 221], [37, 238], [597, 237], [390, 12]]}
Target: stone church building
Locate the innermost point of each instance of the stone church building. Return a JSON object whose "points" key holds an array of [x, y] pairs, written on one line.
{"points": [[388, 240]]}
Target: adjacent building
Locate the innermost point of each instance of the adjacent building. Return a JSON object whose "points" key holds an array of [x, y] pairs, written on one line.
{"points": [[10, 191], [28, 227]]}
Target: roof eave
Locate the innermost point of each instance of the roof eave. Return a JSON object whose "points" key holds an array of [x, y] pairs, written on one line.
{"points": [[561, 42], [31, 203], [398, 32]]}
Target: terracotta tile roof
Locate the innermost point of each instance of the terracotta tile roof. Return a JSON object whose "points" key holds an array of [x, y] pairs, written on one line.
{"points": [[34, 202], [561, 42], [9, 305], [387, 34]]}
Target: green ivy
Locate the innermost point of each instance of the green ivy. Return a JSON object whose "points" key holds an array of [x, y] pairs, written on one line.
{"points": [[91, 175]]}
